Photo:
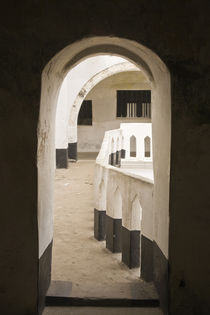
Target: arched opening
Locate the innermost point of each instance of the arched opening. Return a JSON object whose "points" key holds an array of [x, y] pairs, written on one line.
{"points": [[147, 147], [79, 80], [136, 215], [107, 101], [157, 73], [132, 146]]}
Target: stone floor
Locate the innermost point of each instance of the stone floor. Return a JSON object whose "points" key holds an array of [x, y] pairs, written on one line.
{"points": [[78, 257]]}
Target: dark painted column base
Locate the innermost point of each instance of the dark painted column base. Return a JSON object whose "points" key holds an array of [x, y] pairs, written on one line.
{"points": [[130, 247], [72, 151], [113, 234], [154, 267], [115, 158], [99, 224], [61, 158], [112, 159], [118, 158], [122, 154], [146, 258], [45, 262]]}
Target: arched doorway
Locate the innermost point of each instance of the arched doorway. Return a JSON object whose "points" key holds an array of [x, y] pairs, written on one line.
{"points": [[159, 76]]}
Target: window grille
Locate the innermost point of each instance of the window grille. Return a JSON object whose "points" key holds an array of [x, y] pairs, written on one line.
{"points": [[134, 103]]}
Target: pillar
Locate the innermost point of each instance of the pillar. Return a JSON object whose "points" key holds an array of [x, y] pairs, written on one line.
{"points": [[99, 224], [131, 247], [61, 158], [113, 234], [72, 151]]}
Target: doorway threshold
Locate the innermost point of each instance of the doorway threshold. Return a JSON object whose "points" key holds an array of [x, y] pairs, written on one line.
{"points": [[135, 294]]}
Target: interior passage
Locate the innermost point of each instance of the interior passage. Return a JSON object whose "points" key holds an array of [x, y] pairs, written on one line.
{"points": [[77, 256]]}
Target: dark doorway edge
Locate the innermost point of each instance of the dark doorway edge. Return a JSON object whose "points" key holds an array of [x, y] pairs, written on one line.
{"points": [[45, 262]]}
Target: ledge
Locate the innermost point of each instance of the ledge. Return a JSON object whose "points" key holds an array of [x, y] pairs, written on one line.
{"points": [[129, 173]]}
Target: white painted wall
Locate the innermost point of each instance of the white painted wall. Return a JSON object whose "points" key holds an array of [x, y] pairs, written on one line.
{"points": [[70, 88], [104, 103]]}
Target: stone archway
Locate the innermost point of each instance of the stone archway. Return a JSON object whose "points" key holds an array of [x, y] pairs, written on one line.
{"points": [[71, 86], [52, 77]]}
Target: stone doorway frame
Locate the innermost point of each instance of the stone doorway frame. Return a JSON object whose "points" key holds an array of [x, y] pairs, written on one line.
{"points": [[52, 78]]}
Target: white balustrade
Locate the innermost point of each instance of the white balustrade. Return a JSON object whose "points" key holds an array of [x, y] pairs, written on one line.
{"points": [[121, 139], [127, 193]]}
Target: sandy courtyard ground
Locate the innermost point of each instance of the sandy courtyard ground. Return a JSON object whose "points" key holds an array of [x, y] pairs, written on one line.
{"points": [[77, 256]]}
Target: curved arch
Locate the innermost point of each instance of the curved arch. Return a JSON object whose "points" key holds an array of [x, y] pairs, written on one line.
{"points": [[52, 77], [71, 87], [108, 48], [87, 87]]}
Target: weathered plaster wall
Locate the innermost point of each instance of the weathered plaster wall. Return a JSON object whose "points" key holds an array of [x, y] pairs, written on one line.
{"points": [[32, 32], [104, 106]]}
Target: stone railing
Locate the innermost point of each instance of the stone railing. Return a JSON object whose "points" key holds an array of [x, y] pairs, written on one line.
{"points": [[132, 142], [123, 212]]}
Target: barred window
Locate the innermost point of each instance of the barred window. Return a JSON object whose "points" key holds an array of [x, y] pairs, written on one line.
{"points": [[134, 103], [85, 113]]}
